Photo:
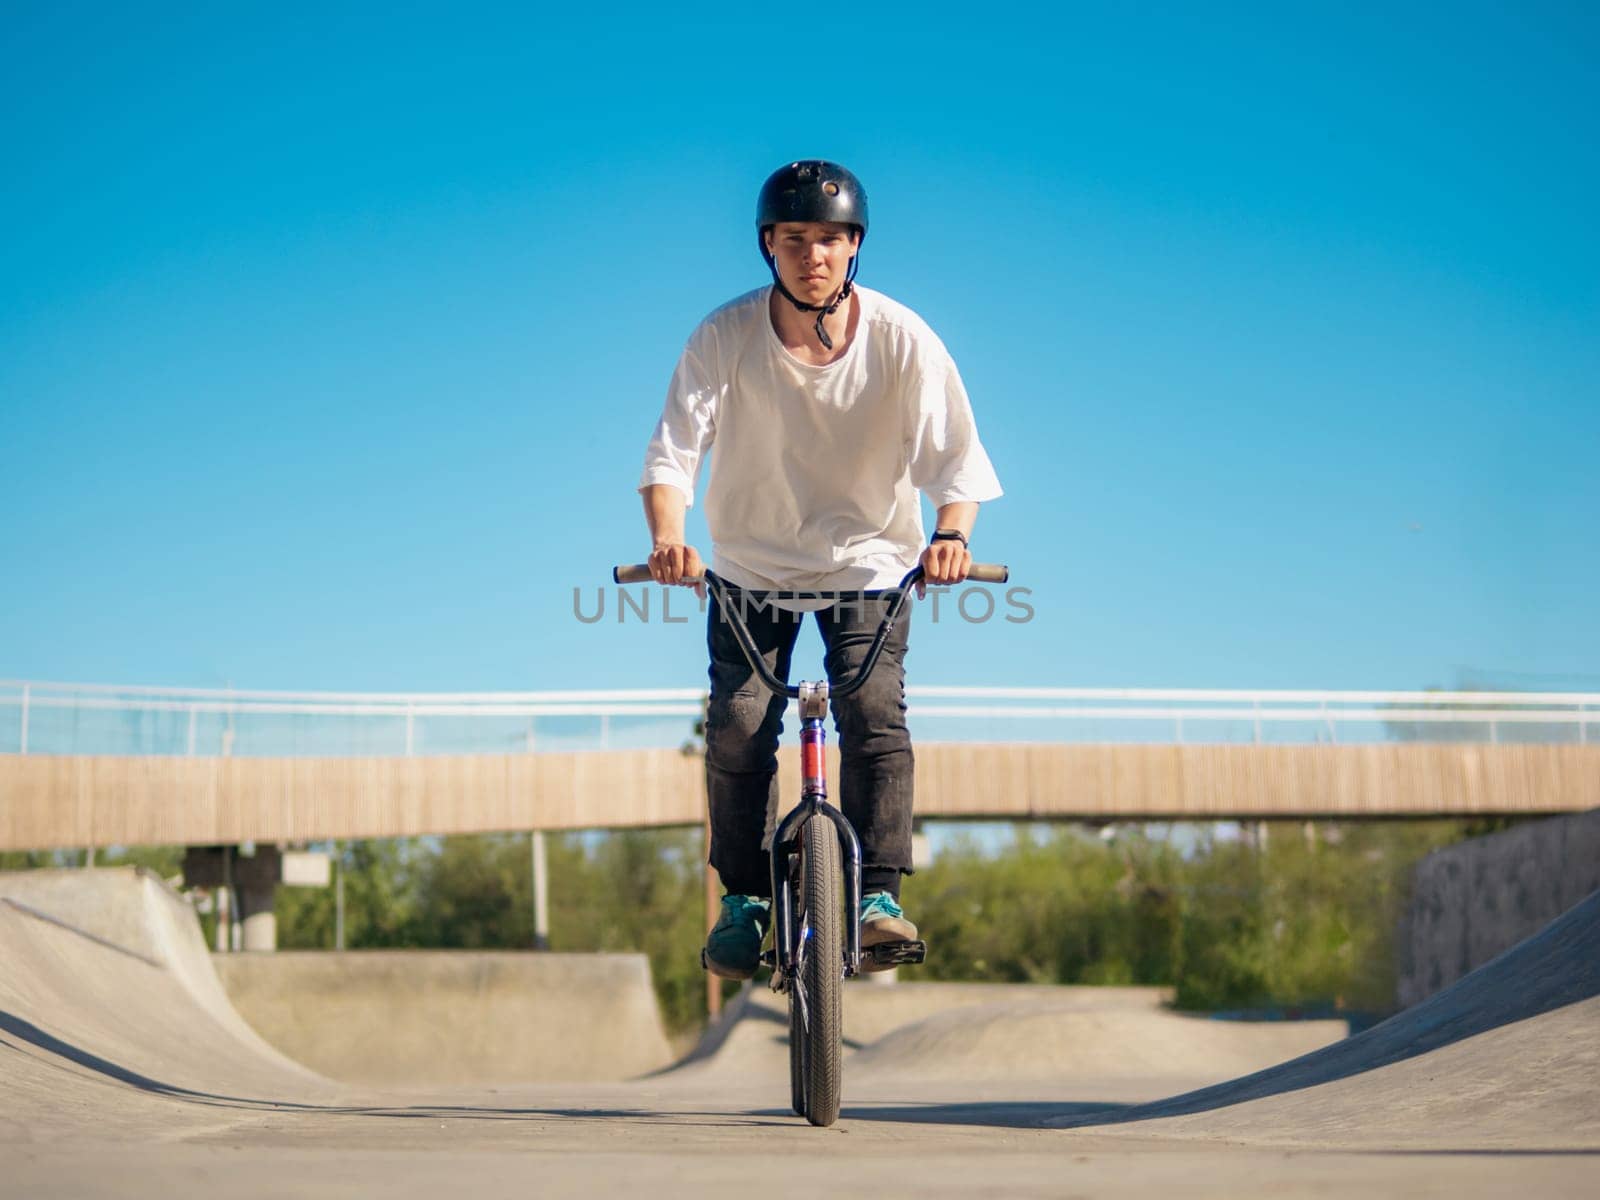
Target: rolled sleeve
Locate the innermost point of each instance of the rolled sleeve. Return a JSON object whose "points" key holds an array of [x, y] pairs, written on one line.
{"points": [[947, 462], [688, 423]]}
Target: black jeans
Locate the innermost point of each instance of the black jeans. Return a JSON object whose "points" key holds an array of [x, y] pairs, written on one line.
{"points": [[744, 719]]}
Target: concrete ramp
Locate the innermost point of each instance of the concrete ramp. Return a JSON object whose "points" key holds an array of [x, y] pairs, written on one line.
{"points": [[125, 1072], [1507, 1057], [995, 1032], [427, 1018], [109, 964], [751, 1037], [106, 983], [1031, 1041]]}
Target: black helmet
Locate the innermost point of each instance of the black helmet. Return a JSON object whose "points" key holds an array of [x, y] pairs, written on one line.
{"points": [[812, 189]]}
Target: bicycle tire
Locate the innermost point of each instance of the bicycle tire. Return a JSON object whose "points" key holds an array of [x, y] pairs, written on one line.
{"points": [[822, 974]]}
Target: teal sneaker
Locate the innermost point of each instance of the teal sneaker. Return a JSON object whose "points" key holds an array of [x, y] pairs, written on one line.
{"points": [[882, 920], [733, 947]]}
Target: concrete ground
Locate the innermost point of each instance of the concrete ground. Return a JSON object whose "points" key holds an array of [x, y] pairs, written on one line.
{"points": [[124, 1071]]}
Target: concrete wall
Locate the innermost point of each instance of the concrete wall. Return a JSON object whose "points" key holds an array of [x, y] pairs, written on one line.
{"points": [[453, 1017], [1474, 901], [97, 800]]}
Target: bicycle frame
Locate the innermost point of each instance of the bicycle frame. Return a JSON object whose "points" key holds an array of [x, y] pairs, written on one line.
{"points": [[813, 802]]}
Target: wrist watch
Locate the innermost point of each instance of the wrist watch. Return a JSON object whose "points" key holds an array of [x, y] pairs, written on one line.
{"points": [[950, 535]]}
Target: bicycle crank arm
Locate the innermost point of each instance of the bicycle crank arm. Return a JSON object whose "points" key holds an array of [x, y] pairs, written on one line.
{"points": [[778, 981]]}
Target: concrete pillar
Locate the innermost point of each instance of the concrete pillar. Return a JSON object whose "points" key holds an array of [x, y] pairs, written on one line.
{"points": [[224, 914], [251, 879], [541, 893], [338, 903], [257, 920]]}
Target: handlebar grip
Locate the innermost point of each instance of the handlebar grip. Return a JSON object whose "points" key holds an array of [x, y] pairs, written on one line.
{"points": [[640, 573], [988, 573]]}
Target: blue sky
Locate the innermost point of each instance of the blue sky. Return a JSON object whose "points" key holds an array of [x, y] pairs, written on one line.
{"points": [[330, 344]]}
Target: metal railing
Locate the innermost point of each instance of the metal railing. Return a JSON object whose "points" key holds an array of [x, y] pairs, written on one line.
{"points": [[68, 718]]}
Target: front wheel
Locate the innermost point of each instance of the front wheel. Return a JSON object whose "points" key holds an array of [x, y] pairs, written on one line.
{"points": [[820, 977]]}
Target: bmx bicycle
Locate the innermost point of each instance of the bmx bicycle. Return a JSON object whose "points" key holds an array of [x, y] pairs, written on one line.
{"points": [[816, 931]]}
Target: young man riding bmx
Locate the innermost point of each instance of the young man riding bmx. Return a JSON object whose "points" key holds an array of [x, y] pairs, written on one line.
{"points": [[831, 406]]}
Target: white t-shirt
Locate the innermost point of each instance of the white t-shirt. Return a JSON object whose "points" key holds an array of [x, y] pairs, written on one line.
{"points": [[815, 470]]}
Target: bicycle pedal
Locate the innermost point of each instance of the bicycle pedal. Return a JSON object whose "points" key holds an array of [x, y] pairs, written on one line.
{"points": [[894, 954], [769, 958]]}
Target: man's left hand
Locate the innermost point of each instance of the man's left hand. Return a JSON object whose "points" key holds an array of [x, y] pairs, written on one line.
{"points": [[943, 563]]}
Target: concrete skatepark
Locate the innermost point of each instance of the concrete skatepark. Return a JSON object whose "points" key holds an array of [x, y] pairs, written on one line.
{"points": [[128, 1070]]}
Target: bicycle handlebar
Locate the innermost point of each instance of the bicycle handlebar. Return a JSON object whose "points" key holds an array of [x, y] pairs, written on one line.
{"points": [[980, 572], [977, 573]]}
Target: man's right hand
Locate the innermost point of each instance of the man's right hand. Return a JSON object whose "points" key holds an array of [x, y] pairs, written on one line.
{"points": [[670, 562]]}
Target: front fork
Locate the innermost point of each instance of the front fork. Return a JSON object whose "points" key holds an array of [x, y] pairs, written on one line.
{"points": [[786, 845]]}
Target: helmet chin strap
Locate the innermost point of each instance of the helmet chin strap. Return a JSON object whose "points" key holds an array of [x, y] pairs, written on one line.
{"points": [[823, 311]]}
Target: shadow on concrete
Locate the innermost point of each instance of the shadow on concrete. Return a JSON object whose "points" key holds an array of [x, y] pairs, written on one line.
{"points": [[1007, 1114], [30, 1034]]}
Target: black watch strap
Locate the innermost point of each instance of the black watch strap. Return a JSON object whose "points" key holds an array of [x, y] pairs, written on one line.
{"points": [[950, 535]]}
